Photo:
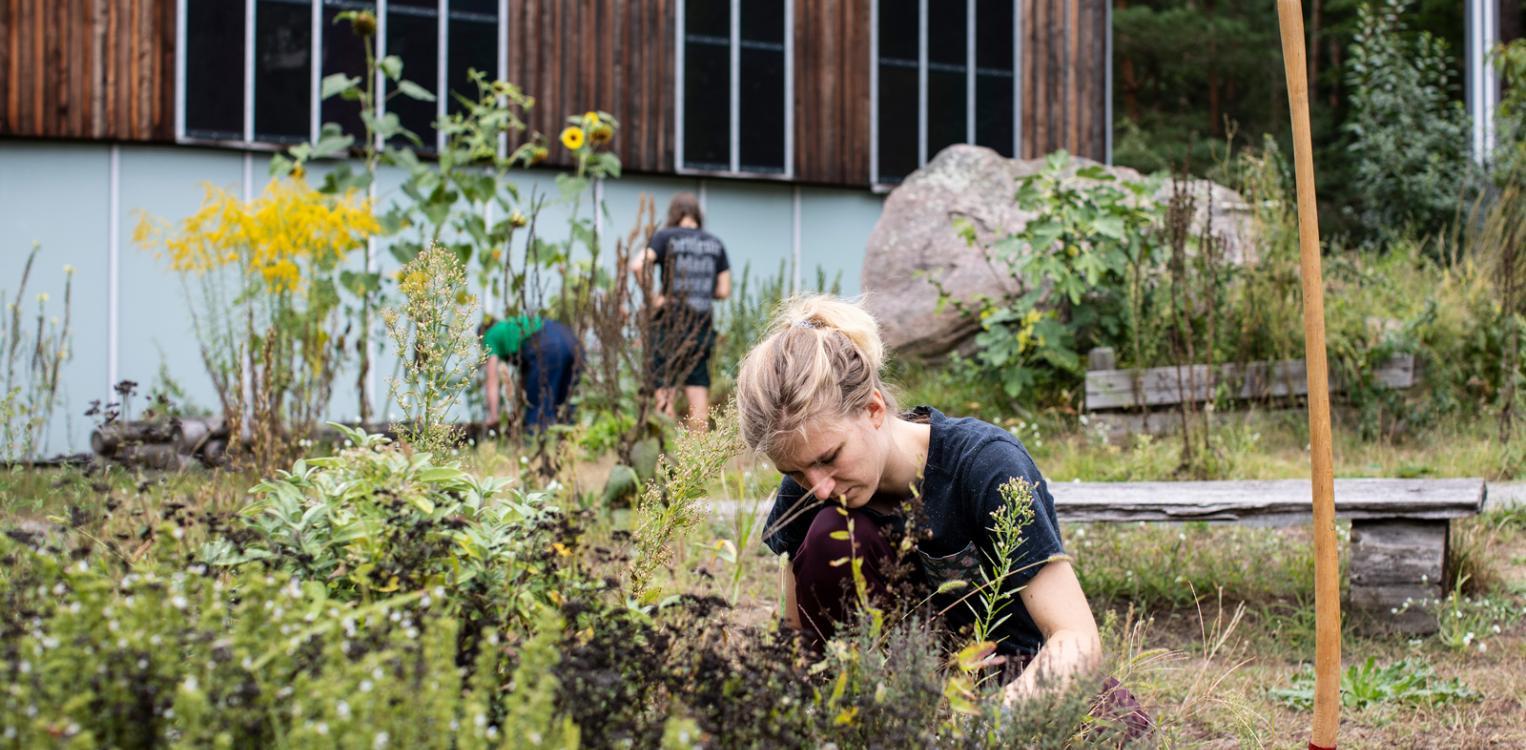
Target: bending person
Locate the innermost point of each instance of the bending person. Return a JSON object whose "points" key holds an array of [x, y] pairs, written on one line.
{"points": [[810, 398], [548, 359]]}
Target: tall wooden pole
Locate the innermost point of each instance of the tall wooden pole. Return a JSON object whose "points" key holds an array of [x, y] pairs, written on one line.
{"points": [[1327, 591]]}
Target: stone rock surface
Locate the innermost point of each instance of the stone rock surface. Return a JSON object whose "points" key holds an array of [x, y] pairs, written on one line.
{"points": [[914, 242]]}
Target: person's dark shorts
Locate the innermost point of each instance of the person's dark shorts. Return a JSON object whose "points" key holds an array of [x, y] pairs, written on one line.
{"points": [[680, 351]]}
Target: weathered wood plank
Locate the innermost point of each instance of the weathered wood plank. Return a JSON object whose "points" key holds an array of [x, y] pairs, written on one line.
{"points": [[1114, 389], [1361, 500], [1396, 573], [1230, 501]]}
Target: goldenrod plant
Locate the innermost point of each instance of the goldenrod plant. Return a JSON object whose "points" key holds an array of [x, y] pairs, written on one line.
{"points": [[262, 277]]}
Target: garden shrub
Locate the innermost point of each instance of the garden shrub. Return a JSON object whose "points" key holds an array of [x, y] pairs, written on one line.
{"points": [[375, 519], [1408, 139]]}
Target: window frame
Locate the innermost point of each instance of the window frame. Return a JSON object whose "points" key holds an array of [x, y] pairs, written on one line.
{"points": [[734, 98], [247, 140], [876, 182]]}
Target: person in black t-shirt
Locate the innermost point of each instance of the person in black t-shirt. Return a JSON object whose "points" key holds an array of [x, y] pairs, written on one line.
{"points": [[695, 273], [810, 398]]}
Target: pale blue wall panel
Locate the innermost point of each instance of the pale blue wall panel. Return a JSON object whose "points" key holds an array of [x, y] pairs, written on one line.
{"points": [[156, 325], [57, 194], [835, 227], [755, 221]]}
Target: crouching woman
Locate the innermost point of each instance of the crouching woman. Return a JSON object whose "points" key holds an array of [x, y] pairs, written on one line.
{"points": [[810, 398]]}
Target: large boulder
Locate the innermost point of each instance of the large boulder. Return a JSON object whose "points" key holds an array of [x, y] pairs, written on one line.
{"points": [[914, 242]]}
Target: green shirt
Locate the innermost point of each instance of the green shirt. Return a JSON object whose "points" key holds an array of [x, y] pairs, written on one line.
{"points": [[506, 336]]}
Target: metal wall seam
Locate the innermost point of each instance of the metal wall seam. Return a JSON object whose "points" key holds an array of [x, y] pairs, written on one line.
{"points": [[113, 264]]}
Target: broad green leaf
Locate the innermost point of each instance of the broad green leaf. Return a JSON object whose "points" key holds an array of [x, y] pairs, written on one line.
{"points": [[414, 91]]}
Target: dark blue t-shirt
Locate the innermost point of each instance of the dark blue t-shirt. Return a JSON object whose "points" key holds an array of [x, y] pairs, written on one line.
{"points": [[691, 261], [967, 461]]}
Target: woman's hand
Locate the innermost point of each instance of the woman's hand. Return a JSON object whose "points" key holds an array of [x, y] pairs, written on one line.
{"points": [[1071, 644]]}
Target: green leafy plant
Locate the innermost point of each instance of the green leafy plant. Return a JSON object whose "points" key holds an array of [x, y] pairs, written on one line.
{"points": [[433, 331], [374, 519], [1407, 681], [1079, 260], [1408, 139]]}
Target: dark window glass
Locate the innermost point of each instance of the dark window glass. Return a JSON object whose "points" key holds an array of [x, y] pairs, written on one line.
{"points": [[762, 94], [283, 44], [473, 44], [762, 109], [707, 84], [947, 79], [897, 120], [707, 18], [344, 52], [897, 115], [994, 114], [413, 34], [214, 69], [763, 21], [898, 29]]}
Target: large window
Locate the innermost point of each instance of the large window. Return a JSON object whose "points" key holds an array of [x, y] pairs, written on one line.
{"points": [[944, 73], [735, 60], [252, 70]]}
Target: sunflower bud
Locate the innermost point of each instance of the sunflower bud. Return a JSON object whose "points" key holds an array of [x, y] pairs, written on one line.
{"points": [[363, 23]]}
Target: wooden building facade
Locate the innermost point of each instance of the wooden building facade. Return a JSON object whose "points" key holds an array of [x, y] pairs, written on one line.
{"points": [[852, 93]]}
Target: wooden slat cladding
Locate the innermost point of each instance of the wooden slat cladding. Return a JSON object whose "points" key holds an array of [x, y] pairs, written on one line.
{"points": [[832, 105], [1064, 63], [97, 69], [104, 69], [612, 55]]}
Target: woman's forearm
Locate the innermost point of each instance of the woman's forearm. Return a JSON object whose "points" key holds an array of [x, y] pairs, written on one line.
{"points": [[1066, 654]]}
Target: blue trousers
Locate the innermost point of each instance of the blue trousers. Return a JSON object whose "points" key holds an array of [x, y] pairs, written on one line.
{"points": [[549, 364]]}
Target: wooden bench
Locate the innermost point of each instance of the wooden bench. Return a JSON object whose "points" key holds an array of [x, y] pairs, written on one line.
{"points": [[1400, 528]]}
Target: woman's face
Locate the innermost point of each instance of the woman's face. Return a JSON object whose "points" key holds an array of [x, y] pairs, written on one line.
{"points": [[838, 457]]}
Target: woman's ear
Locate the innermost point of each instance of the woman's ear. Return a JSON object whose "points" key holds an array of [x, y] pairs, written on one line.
{"points": [[876, 409]]}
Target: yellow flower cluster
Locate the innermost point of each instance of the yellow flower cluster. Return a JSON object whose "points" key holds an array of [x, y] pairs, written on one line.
{"points": [[273, 236]]}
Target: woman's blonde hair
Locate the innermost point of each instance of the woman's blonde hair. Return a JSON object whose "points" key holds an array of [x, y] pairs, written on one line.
{"points": [[821, 358]]}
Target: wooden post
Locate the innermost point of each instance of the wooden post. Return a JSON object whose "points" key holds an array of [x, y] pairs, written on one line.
{"points": [[1327, 591]]}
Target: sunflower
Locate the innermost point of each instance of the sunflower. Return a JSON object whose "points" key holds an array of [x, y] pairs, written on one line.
{"points": [[601, 134], [572, 138]]}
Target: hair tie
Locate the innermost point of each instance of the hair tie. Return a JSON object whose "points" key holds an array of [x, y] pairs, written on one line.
{"points": [[805, 323]]}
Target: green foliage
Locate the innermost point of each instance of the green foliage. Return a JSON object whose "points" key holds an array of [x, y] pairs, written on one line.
{"points": [[29, 394], [1406, 682], [375, 519], [667, 506], [434, 331], [1408, 137], [244, 658], [1510, 118], [1078, 260], [1466, 623], [1006, 529]]}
